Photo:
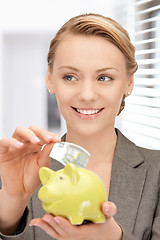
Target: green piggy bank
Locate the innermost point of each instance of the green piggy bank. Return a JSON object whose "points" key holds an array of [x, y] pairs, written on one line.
{"points": [[74, 193]]}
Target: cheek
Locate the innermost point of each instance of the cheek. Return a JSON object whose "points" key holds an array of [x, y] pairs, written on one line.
{"points": [[113, 101], [61, 93], [114, 96], [63, 100]]}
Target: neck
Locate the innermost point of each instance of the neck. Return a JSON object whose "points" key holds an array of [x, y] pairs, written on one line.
{"points": [[101, 146]]}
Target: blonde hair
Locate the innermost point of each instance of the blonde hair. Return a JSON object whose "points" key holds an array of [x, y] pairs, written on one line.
{"points": [[97, 25]]}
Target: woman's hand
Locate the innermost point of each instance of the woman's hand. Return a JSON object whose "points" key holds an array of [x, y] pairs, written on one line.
{"points": [[20, 159], [62, 229]]}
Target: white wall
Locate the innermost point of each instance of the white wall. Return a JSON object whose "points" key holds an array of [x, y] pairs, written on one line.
{"points": [[40, 15], [1, 86], [24, 91]]}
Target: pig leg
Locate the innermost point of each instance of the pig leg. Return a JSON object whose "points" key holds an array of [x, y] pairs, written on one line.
{"points": [[76, 220], [99, 217], [95, 215]]}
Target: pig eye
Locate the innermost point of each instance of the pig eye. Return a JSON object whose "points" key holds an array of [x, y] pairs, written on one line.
{"points": [[59, 178]]}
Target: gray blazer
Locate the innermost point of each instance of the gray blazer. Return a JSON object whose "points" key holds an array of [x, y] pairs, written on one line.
{"points": [[134, 188]]}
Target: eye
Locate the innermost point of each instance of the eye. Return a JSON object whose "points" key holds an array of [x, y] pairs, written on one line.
{"points": [[104, 78], [59, 179], [69, 78]]}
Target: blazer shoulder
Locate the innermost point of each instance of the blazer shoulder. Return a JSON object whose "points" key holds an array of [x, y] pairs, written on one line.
{"points": [[135, 155], [150, 156]]}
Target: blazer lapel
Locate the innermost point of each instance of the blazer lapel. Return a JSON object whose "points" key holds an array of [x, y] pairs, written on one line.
{"points": [[127, 181]]}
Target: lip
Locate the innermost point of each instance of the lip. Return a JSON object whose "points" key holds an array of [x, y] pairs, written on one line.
{"points": [[89, 116]]}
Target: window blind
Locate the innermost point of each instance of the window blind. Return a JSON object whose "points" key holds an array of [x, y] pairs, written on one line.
{"points": [[142, 115]]}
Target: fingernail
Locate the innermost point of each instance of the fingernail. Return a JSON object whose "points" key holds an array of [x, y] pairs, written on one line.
{"points": [[48, 136], [57, 138], [108, 208], [34, 224], [57, 220], [46, 219], [19, 144], [36, 139]]}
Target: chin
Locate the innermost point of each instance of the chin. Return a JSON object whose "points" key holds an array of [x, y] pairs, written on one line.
{"points": [[88, 131]]}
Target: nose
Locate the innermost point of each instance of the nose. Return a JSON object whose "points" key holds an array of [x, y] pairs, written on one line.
{"points": [[88, 91]]}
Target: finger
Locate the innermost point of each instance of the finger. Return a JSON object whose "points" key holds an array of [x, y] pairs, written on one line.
{"points": [[66, 228], [6, 143], [55, 223], [35, 135], [44, 160], [45, 227], [45, 135], [25, 135], [109, 209]]}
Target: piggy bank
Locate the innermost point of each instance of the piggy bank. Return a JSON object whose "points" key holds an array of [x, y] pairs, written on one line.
{"points": [[74, 193]]}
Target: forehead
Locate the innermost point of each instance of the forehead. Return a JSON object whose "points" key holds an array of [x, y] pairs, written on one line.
{"points": [[77, 49]]}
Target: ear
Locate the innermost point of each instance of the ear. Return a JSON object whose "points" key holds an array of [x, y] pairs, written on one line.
{"points": [[49, 81], [130, 85], [45, 174], [71, 170]]}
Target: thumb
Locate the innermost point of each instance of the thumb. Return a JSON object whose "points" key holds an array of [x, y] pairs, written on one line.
{"points": [[109, 209], [44, 160]]}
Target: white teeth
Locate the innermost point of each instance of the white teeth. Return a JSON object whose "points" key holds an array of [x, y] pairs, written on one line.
{"points": [[88, 112]]}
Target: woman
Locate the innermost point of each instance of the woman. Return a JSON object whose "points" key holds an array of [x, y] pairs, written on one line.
{"points": [[91, 65]]}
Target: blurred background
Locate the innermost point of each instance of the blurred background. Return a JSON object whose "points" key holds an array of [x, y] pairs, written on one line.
{"points": [[26, 28]]}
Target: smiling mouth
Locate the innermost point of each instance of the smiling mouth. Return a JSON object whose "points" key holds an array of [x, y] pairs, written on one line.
{"points": [[87, 111]]}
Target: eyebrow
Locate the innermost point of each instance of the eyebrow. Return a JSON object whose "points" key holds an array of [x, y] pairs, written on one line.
{"points": [[99, 70], [70, 67], [107, 68]]}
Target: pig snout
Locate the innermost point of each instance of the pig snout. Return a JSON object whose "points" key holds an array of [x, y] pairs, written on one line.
{"points": [[45, 194]]}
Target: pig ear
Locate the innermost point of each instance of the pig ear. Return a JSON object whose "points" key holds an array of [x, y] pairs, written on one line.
{"points": [[71, 170], [45, 174]]}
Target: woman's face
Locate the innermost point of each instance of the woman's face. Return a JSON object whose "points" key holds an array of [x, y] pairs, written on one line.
{"points": [[89, 79]]}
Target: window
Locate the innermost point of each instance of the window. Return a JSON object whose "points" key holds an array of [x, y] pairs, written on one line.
{"points": [[141, 121]]}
